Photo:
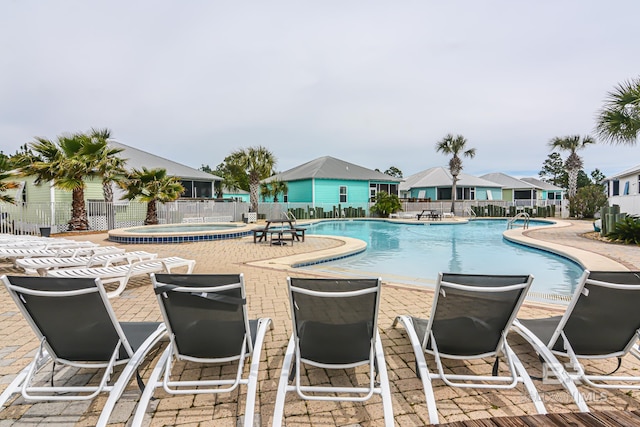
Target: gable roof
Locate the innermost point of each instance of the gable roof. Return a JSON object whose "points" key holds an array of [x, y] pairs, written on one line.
{"points": [[440, 177], [136, 159], [630, 171], [328, 167], [542, 184], [508, 181]]}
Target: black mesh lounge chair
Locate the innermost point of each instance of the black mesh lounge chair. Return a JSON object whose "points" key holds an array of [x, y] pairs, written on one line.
{"points": [[77, 327], [206, 316], [470, 318], [334, 327], [601, 321]]}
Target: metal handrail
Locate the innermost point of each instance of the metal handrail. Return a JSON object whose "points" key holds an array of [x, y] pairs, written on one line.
{"points": [[523, 216]]}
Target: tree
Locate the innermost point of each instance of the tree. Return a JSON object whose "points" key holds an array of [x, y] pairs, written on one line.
{"points": [[619, 120], [66, 163], [588, 200], [597, 177], [249, 166], [454, 145], [110, 168], [392, 171], [573, 163], [553, 171], [272, 190], [386, 204], [5, 185], [152, 186]]}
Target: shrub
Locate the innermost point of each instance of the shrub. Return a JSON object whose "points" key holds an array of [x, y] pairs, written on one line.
{"points": [[627, 230], [588, 201], [386, 204]]}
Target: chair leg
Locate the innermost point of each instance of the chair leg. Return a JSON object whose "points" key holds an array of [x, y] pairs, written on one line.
{"points": [[152, 383], [127, 372], [278, 412], [526, 380], [421, 367], [385, 390], [553, 363], [252, 386]]}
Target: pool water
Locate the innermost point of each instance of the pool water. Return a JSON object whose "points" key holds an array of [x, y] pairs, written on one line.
{"points": [[406, 253]]}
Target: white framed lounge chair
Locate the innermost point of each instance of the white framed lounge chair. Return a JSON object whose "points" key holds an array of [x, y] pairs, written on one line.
{"points": [[77, 328], [41, 265], [14, 254], [470, 318], [122, 273], [602, 321], [206, 316], [334, 327]]}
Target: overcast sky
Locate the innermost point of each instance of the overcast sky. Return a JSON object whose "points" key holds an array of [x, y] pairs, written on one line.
{"points": [[375, 83]]}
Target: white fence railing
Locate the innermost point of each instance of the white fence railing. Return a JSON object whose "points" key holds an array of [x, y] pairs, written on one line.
{"points": [[29, 218]]}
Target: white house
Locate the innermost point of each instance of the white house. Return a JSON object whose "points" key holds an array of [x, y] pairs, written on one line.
{"points": [[623, 190]]}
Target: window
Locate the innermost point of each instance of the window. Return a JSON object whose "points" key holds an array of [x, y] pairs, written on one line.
{"points": [[626, 188], [387, 188], [372, 192], [465, 193], [616, 188], [343, 194]]}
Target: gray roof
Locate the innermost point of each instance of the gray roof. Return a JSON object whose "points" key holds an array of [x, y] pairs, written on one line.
{"points": [[440, 177], [508, 181], [136, 159], [542, 184], [331, 168]]}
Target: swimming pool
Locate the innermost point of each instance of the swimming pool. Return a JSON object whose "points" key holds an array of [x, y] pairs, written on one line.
{"points": [[179, 233], [407, 253]]}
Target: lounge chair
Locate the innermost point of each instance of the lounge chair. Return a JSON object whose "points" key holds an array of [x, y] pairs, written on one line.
{"points": [[601, 321], [122, 273], [470, 318], [334, 327], [105, 259], [206, 316], [77, 327], [14, 254]]}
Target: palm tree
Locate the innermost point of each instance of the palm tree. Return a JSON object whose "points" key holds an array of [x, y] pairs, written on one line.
{"points": [[455, 145], [151, 186], [258, 163], [66, 163], [4, 184], [110, 168], [573, 164], [619, 119], [273, 189]]}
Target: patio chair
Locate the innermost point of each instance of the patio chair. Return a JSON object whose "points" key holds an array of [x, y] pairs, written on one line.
{"points": [[470, 318], [77, 328], [13, 254], [122, 273], [42, 264], [334, 327], [601, 321], [206, 316]]}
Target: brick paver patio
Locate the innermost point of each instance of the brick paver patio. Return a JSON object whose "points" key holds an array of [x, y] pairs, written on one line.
{"points": [[267, 296]]}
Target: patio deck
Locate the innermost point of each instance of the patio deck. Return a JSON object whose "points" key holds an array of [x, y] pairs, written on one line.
{"points": [[267, 296]]}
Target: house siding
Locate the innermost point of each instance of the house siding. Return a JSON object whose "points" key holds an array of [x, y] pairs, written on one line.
{"points": [[328, 191], [300, 191]]}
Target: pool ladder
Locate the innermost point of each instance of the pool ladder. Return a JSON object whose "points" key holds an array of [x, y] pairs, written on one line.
{"points": [[523, 216], [290, 216]]}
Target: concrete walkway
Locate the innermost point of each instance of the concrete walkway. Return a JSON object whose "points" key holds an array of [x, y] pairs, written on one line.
{"points": [[267, 296]]}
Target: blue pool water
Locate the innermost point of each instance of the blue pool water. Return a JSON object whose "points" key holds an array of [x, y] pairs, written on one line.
{"points": [[415, 254]]}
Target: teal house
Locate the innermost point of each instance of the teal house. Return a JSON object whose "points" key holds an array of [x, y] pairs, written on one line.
{"points": [[329, 183], [435, 184]]}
